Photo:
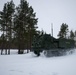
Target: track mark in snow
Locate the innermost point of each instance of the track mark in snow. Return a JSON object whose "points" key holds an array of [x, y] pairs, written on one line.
{"points": [[16, 71]]}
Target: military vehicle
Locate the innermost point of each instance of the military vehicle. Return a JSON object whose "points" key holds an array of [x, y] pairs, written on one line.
{"points": [[50, 45]]}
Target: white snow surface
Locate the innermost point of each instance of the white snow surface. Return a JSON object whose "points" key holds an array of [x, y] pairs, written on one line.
{"points": [[29, 64]]}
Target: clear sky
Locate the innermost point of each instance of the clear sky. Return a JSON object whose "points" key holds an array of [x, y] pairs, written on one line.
{"points": [[52, 11]]}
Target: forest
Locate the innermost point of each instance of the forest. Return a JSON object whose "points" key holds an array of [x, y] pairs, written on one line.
{"points": [[18, 25]]}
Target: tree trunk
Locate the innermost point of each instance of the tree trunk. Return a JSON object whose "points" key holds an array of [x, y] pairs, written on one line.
{"points": [[30, 39], [9, 51], [1, 51], [2, 42], [27, 47], [6, 51]]}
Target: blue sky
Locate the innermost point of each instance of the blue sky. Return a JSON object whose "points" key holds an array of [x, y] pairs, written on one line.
{"points": [[52, 11]]}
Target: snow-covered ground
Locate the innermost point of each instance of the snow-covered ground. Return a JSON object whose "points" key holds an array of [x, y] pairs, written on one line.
{"points": [[29, 64]]}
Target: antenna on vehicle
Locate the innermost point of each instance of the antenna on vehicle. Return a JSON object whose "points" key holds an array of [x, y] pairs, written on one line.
{"points": [[52, 29]]}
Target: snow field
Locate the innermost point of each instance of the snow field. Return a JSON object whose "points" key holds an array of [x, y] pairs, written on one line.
{"points": [[29, 64]]}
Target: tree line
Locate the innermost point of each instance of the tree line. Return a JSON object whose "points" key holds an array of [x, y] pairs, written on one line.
{"points": [[66, 33], [18, 25]]}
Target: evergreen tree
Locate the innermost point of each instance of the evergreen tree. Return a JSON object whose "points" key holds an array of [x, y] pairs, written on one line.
{"points": [[63, 31], [75, 34], [24, 25], [6, 22], [10, 14], [72, 35], [3, 22]]}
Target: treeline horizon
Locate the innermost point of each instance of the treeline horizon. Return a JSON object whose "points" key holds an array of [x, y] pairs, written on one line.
{"points": [[18, 25]]}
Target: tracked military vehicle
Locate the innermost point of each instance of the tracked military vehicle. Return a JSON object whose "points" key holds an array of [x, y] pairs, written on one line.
{"points": [[50, 45]]}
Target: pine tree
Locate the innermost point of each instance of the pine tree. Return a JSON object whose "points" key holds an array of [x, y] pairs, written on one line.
{"points": [[63, 31], [75, 33], [25, 25], [10, 14], [3, 25], [6, 22], [72, 35]]}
